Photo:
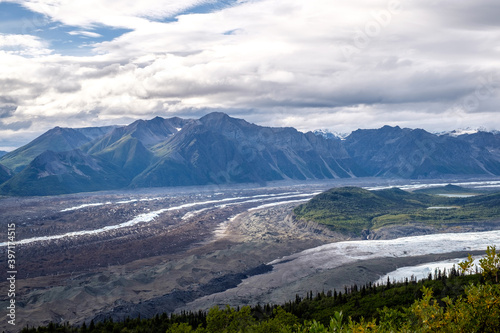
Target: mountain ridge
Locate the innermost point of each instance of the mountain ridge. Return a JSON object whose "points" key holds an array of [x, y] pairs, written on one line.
{"points": [[56, 139], [219, 149]]}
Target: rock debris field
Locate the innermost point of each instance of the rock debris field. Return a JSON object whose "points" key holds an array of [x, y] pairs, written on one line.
{"points": [[119, 254]]}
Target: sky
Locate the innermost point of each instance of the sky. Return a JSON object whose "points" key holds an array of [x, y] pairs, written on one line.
{"points": [[317, 64]]}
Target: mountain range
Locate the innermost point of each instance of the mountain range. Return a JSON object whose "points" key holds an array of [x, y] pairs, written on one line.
{"points": [[218, 149]]}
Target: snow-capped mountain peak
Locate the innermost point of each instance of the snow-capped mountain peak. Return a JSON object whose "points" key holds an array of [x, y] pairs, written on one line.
{"points": [[327, 134], [462, 131]]}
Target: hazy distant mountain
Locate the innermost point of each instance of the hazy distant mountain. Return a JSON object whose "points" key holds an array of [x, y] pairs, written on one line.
{"points": [[57, 139], [2, 152], [218, 149], [407, 153], [64, 172]]}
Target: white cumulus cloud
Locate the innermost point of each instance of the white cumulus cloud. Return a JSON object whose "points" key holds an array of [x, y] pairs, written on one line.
{"points": [[317, 64]]}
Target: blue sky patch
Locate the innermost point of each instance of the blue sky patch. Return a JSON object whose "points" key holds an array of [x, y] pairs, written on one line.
{"points": [[204, 8], [63, 39]]}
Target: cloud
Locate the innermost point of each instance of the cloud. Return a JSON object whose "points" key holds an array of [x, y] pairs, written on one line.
{"points": [[7, 110], [360, 63], [126, 13], [480, 14], [16, 126], [25, 45], [85, 33]]}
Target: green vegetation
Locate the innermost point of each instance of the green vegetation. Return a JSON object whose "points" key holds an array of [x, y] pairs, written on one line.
{"points": [[449, 189], [129, 154], [57, 139], [351, 210], [5, 174], [444, 302], [64, 172]]}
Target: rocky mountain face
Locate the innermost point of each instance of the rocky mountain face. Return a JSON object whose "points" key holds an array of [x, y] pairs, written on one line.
{"points": [[218, 149], [415, 153], [148, 132], [486, 146]]}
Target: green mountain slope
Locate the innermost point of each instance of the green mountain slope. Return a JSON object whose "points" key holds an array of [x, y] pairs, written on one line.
{"points": [[53, 173], [129, 154], [57, 139], [148, 132], [351, 210], [5, 174], [449, 189]]}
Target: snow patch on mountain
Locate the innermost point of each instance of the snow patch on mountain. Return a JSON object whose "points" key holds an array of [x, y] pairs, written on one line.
{"points": [[328, 134], [466, 130]]}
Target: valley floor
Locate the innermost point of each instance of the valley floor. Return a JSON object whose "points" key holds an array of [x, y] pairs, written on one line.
{"points": [[118, 254]]}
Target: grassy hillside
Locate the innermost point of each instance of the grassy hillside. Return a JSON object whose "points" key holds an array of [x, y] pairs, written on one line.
{"points": [[129, 154], [352, 210], [449, 189]]}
